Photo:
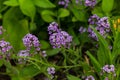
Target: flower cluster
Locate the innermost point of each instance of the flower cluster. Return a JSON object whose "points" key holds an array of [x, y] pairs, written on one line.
{"points": [[5, 46], [82, 29], [109, 69], [101, 25], [90, 78], [30, 40], [90, 3], [51, 71], [59, 38], [53, 27], [43, 54], [64, 3], [23, 54]]}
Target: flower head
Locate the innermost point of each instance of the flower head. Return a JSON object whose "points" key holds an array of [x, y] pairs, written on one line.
{"points": [[101, 25], [23, 54], [93, 20], [64, 3], [5, 46], [82, 29], [53, 27], [51, 70], [90, 3], [90, 78], [108, 69], [103, 22], [60, 39], [30, 40]]}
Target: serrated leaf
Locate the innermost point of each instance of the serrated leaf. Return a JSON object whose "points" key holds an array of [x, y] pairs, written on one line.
{"points": [[63, 12], [44, 3], [27, 7], [47, 16], [71, 77], [11, 3]]}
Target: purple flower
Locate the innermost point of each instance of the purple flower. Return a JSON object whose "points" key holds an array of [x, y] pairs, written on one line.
{"points": [[60, 39], [109, 69], [103, 22], [93, 20], [101, 25], [5, 46], [23, 54], [90, 78], [82, 29], [51, 70], [106, 78], [30, 40], [53, 27], [44, 53], [64, 3], [90, 3]]}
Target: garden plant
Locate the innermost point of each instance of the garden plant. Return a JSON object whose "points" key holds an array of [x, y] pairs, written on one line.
{"points": [[59, 40]]}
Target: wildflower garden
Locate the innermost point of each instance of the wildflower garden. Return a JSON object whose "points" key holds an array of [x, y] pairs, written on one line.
{"points": [[59, 40]]}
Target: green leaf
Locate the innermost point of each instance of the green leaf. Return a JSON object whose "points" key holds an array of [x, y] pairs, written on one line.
{"points": [[11, 3], [28, 8], [80, 15], [107, 5], [98, 11], [71, 77], [33, 26], [53, 52], [16, 27], [44, 3], [44, 44], [47, 15], [29, 71], [105, 46], [94, 61], [75, 38], [63, 12], [1, 5]]}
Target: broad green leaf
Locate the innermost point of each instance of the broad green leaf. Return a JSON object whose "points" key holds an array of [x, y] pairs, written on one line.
{"points": [[1, 5], [44, 44], [29, 71], [94, 61], [44, 3], [107, 5], [80, 15], [71, 77], [98, 11], [53, 52], [16, 27], [11, 3], [28, 8], [74, 19], [47, 15], [63, 12]]}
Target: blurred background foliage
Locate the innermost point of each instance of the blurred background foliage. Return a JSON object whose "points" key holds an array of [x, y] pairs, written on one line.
{"points": [[20, 17]]}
